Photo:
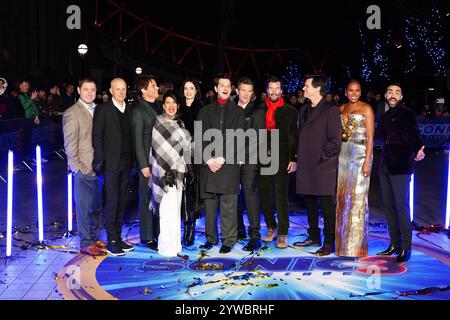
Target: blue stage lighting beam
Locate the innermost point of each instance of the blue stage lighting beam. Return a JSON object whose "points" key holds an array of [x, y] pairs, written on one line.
{"points": [[9, 210], [447, 214], [411, 198], [39, 193], [69, 202]]}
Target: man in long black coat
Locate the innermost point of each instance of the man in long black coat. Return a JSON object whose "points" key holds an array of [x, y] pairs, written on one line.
{"points": [[320, 137], [219, 178], [402, 146], [112, 140]]}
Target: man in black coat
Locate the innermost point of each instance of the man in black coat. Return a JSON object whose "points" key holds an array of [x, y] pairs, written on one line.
{"points": [[255, 121], [143, 117], [219, 177], [320, 137], [112, 139], [402, 146], [282, 117]]}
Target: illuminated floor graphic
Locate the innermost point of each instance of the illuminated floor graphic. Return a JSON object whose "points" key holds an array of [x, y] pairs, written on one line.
{"points": [[269, 274]]}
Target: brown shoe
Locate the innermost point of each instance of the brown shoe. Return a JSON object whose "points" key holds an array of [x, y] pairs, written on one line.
{"points": [[282, 242], [326, 250], [92, 250], [271, 235], [100, 244]]}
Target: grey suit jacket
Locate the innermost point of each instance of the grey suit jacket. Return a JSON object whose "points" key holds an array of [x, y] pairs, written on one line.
{"points": [[77, 128]]}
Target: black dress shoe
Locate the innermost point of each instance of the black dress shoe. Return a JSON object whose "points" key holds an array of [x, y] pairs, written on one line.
{"points": [[326, 250], [308, 242], [225, 249], [390, 251], [208, 245], [404, 256], [152, 245], [252, 245]]}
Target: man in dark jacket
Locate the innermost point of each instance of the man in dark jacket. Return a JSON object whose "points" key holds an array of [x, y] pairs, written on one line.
{"points": [[219, 178], [143, 117], [112, 140], [402, 146], [319, 144], [282, 117], [254, 120]]}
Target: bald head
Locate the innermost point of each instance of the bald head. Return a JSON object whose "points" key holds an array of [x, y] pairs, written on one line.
{"points": [[118, 89]]}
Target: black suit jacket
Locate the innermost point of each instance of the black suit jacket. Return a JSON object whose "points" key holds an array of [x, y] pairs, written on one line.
{"points": [[107, 135], [143, 117], [401, 139], [255, 119], [226, 180]]}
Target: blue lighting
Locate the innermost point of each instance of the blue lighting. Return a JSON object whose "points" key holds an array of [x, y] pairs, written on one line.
{"points": [[9, 203], [411, 198], [447, 214], [69, 202], [39, 193]]}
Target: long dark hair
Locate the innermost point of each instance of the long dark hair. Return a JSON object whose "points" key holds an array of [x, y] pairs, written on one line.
{"points": [[198, 95]]}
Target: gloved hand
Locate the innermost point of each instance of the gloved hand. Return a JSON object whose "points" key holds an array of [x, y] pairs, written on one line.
{"points": [[97, 166], [190, 176], [169, 179]]}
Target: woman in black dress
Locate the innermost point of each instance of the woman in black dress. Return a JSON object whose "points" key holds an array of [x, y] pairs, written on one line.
{"points": [[191, 103]]}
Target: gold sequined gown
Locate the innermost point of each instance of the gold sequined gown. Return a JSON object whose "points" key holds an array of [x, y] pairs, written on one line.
{"points": [[352, 211]]}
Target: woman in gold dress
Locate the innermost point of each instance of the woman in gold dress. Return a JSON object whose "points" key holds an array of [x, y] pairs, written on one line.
{"points": [[355, 161]]}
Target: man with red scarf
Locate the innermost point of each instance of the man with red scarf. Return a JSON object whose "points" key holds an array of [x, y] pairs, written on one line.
{"points": [[282, 117]]}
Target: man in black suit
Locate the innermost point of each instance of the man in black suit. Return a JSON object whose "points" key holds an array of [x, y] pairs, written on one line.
{"points": [[402, 146], [112, 140], [219, 178], [143, 117], [255, 121]]}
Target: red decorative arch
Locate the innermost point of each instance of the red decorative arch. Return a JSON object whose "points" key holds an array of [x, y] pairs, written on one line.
{"points": [[115, 13]]}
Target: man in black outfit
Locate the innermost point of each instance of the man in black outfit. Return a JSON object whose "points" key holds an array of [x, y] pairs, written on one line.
{"points": [[113, 153], [282, 117], [254, 120], [402, 146], [219, 180], [143, 117]]}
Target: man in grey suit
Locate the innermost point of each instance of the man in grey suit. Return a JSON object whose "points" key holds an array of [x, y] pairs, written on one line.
{"points": [[77, 128], [143, 117]]}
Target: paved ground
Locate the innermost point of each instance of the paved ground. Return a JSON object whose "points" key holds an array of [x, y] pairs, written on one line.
{"points": [[30, 274]]}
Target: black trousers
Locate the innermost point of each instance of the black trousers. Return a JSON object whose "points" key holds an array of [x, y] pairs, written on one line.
{"points": [[328, 204], [228, 219], [148, 223], [279, 183], [116, 189], [395, 194], [250, 195]]}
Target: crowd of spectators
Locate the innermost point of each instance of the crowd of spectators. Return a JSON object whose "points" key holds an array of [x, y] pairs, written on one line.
{"points": [[22, 100]]}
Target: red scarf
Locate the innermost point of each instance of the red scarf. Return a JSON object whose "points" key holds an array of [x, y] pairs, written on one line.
{"points": [[270, 114], [222, 102]]}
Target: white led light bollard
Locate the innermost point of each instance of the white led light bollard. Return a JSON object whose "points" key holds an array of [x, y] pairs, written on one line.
{"points": [[411, 198], [69, 202], [9, 209], [39, 193]]}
